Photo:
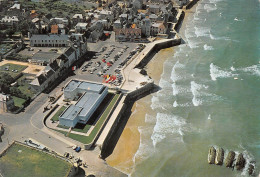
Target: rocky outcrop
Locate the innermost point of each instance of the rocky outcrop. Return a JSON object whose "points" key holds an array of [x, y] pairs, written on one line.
{"points": [[230, 159], [241, 161], [211, 155], [219, 157], [250, 169]]}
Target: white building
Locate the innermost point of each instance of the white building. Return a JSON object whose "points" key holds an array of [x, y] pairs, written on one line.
{"points": [[8, 20], [49, 40], [6, 103], [89, 96]]}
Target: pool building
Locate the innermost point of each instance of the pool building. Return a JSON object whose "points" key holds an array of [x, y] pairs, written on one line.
{"points": [[88, 97]]}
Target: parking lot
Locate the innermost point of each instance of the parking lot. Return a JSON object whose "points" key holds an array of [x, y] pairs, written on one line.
{"points": [[106, 64]]}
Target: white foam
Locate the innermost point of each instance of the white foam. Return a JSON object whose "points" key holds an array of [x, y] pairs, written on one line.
{"points": [[218, 38], [232, 68], [215, 1], [174, 76], [163, 83], [210, 7], [195, 90], [177, 89], [202, 31], [254, 69], [216, 72], [236, 19], [175, 104], [145, 147], [167, 124], [193, 44], [208, 47], [249, 158]]}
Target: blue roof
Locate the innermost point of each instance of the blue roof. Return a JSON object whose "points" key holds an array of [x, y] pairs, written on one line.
{"points": [[88, 86], [71, 112], [86, 102]]}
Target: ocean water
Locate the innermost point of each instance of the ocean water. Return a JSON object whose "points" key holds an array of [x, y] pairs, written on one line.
{"points": [[210, 95]]}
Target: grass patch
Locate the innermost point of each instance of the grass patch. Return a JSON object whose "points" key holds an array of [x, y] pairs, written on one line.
{"points": [[18, 102], [20, 161], [83, 129], [90, 138], [24, 86], [58, 113], [9, 68]]}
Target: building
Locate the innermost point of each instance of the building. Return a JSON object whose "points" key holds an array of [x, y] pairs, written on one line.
{"points": [[77, 18], [146, 27], [158, 28], [6, 103], [88, 95], [154, 8], [10, 21], [81, 27], [49, 40], [153, 17], [117, 24], [128, 34]]}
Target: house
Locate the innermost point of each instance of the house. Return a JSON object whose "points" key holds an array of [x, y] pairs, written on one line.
{"points": [[128, 34], [146, 25], [10, 21], [15, 10], [106, 14], [43, 80], [81, 27], [88, 95], [63, 21], [95, 31], [49, 40], [6, 103], [54, 29], [158, 28], [154, 8], [117, 24], [77, 18], [153, 17]]}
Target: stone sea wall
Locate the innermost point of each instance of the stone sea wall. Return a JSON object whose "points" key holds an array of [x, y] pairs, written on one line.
{"points": [[122, 118]]}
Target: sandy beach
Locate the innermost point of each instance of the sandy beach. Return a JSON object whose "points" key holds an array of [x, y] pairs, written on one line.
{"points": [[123, 156], [124, 152]]}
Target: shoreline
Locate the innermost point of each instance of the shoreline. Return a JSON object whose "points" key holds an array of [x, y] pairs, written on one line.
{"points": [[123, 156]]}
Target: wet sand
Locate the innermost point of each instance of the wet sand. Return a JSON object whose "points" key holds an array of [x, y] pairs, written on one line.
{"points": [[122, 157]]}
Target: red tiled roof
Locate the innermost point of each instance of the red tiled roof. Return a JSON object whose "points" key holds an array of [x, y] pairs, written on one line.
{"points": [[54, 29]]}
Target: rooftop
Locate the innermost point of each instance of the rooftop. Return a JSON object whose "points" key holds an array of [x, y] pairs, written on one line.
{"points": [[88, 86], [71, 112]]}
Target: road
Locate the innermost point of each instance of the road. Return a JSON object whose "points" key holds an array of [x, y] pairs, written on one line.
{"points": [[29, 124]]}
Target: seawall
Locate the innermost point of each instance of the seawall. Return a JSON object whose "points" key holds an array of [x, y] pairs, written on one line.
{"points": [[154, 48], [122, 118], [190, 4]]}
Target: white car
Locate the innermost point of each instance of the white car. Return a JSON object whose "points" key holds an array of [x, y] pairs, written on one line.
{"points": [[74, 147]]}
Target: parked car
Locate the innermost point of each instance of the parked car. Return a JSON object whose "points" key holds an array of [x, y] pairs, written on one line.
{"points": [[78, 149]]}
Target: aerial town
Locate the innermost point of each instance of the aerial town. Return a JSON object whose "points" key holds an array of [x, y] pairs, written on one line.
{"points": [[69, 73]]}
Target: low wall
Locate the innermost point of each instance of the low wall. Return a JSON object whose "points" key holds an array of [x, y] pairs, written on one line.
{"points": [[155, 49], [88, 146], [122, 118], [191, 4], [179, 22]]}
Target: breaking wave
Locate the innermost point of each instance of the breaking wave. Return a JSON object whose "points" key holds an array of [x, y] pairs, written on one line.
{"points": [[216, 72]]}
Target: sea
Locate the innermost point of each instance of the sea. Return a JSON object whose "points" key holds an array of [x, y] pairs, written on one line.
{"points": [[210, 95]]}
